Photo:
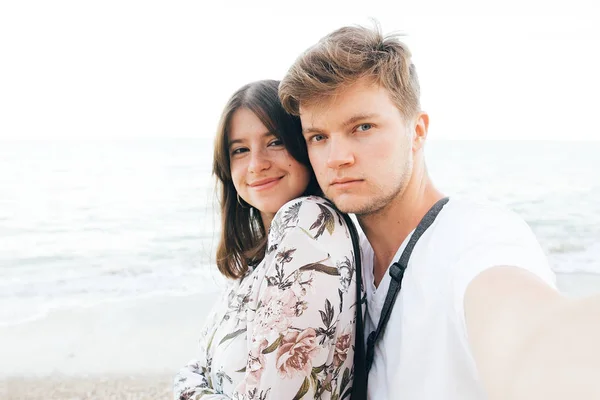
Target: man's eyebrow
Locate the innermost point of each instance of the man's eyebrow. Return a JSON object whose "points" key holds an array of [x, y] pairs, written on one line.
{"points": [[310, 129], [350, 121], [359, 117]]}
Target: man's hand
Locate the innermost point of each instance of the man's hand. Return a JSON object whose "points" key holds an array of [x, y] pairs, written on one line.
{"points": [[529, 341]]}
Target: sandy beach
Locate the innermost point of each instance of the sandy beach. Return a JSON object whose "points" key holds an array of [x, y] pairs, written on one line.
{"points": [[124, 350], [150, 387]]}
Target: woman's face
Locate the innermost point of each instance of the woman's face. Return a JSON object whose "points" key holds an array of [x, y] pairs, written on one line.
{"points": [[264, 174]]}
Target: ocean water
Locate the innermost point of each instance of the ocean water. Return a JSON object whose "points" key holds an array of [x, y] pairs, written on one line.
{"points": [[83, 222]]}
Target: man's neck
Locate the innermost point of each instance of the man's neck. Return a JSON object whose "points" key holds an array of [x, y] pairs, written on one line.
{"points": [[390, 226]]}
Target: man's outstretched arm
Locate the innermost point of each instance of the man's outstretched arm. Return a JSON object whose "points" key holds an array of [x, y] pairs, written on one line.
{"points": [[529, 341]]}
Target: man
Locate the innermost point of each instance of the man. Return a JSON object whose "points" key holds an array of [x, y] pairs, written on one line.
{"points": [[478, 314]]}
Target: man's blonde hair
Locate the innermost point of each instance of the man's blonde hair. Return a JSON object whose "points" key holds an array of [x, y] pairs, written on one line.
{"points": [[345, 56]]}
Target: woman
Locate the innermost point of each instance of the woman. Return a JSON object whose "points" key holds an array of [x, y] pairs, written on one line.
{"points": [[284, 328]]}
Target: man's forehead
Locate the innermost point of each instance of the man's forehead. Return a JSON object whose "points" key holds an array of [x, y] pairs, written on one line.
{"points": [[318, 117], [358, 95], [334, 112], [314, 111]]}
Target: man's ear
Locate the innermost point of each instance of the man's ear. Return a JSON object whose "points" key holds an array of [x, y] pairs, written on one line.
{"points": [[421, 126]]}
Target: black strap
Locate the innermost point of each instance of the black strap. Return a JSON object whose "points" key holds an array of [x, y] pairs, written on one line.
{"points": [[359, 385], [397, 273]]}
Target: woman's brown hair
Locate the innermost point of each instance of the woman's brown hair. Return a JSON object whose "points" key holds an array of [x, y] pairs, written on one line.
{"points": [[243, 238]]}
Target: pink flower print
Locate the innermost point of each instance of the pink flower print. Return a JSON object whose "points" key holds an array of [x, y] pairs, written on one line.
{"points": [[295, 352], [342, 345], [278, 306]]}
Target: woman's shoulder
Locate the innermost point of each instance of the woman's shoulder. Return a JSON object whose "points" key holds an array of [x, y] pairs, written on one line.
{"points": [[308, 201], [304, 209], [314, 215]]}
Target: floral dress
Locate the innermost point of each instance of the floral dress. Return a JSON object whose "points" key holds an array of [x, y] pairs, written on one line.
{"points": [[286, 329]]}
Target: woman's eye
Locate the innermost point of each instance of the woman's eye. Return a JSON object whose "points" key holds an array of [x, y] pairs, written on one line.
{"points": [[364, 127], [276, 142], [239, 150]]}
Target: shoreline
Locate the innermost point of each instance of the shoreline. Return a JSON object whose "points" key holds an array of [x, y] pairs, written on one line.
{"points": [[130, 349]]}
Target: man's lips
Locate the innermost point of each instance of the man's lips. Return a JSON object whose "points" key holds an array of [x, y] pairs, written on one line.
{"points": [[344, 181]]}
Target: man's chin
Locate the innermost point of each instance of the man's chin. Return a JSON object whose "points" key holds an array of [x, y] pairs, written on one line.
{"points": [[349, 204]]}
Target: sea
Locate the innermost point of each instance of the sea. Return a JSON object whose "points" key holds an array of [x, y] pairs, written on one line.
{"points": [[90, 221]]}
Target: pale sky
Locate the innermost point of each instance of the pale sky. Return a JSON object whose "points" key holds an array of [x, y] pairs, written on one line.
{"points": [[129, 69]]}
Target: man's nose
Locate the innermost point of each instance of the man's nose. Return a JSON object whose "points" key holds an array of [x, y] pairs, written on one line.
{"points": [[340, 152]]}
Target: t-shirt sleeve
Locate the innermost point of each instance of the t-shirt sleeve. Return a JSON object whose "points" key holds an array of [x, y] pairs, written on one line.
{"points": [[497, 237]]}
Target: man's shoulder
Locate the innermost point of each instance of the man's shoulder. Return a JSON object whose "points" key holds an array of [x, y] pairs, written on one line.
{"points": [[465, 221], [464, 211]]}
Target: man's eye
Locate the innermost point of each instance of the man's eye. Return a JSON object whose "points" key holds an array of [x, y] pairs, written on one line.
{"points": [[317, 138], [364, 127]]}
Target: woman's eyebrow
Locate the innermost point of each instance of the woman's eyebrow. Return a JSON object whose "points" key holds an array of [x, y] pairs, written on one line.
{"points": [[236, 141]]}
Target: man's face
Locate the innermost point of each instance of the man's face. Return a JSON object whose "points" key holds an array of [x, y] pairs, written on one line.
{"points": [[360, 147]]}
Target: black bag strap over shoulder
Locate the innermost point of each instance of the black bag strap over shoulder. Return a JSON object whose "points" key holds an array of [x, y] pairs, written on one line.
{"points": [[397, 273], [359, 385], [364, 359]]}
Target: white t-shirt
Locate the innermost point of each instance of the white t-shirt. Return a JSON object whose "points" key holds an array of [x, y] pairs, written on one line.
{"points": [[424, 351]]}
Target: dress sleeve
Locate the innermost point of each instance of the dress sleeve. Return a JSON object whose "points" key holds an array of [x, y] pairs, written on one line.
{"points": [[302, 334], [193, 381]]}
